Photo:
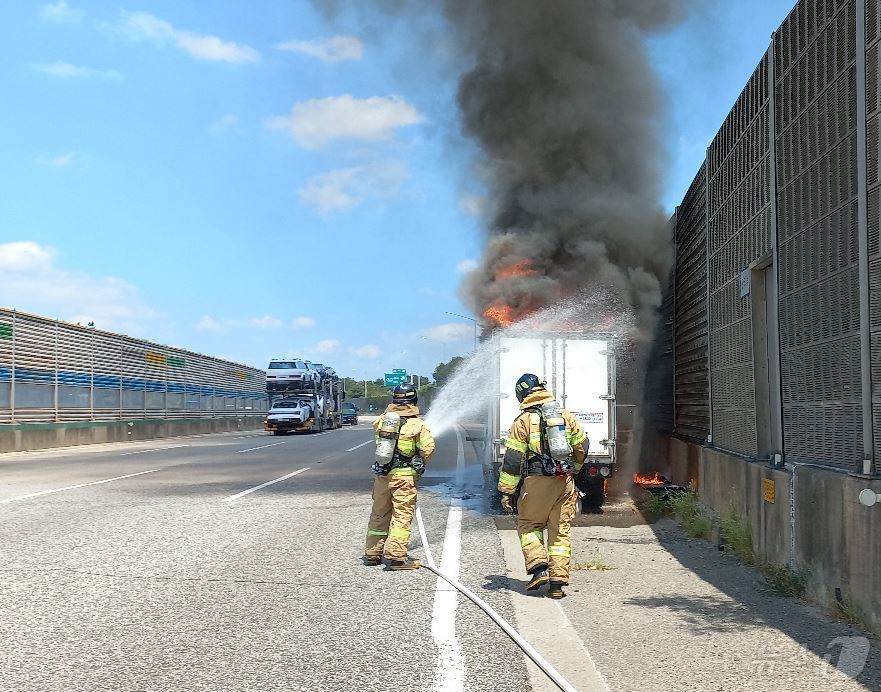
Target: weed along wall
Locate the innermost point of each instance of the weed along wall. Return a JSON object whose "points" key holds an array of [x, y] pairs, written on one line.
{"points": [[803, 517], [776, 325]]}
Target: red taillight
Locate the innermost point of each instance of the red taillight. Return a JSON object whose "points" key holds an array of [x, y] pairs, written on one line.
{"points": [[592, 470]]}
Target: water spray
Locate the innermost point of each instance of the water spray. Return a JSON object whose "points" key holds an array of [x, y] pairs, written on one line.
{"points": [[472, 389]]}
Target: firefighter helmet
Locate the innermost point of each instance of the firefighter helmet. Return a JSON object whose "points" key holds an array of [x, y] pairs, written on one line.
{"points": [[527, 383], [405, 394]]}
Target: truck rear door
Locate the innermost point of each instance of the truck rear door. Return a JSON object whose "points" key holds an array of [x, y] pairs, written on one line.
{"points": [[583, 385]]}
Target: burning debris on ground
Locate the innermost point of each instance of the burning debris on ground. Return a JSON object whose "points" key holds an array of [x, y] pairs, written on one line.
{"points": [[658, 485]]}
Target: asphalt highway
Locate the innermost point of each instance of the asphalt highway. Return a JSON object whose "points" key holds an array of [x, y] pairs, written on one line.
{"points": [[232, 562], [145, 567]]}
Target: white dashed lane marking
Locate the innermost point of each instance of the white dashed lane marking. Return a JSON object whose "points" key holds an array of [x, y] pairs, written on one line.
{"points": [[74, 487], [263, 485]]}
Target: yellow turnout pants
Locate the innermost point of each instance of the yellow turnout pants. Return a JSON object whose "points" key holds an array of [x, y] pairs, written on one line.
{"points": [[394, 502], [547, 502]]}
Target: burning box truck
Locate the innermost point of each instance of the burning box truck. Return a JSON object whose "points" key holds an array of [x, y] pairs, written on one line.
{"points": [[580, 373]]}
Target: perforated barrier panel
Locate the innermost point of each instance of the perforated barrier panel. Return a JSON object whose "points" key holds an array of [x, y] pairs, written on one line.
{"points": [[815, 93], [739, 216], [873, 136], [692, 411], [57, 371]]}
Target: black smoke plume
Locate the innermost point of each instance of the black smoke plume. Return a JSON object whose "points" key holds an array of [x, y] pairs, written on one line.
{"points": [[561, 98]]}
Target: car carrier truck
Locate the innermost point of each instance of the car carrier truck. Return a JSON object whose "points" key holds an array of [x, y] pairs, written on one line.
{"points": [[580, 373], [306, 406]]}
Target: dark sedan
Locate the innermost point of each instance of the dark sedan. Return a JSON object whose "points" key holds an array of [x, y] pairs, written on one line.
{"points": [[350, 414]]}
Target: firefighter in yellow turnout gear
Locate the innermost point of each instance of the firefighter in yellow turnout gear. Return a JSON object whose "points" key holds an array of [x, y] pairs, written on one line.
{"points": [[394, 489], [547, 495]]}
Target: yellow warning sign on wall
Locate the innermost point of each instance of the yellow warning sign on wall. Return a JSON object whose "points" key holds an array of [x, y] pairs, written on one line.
{"points": [[769, 490]]}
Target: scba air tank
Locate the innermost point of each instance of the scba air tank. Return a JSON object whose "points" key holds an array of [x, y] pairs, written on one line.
{"points": [[555, 431], [389, 428]]}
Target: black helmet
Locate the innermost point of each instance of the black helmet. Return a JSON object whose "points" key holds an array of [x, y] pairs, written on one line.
{"points": [[405, 394], [526, 384]]}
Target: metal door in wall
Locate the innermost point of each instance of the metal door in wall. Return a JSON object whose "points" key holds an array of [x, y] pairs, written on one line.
{"points": [[766, 358]]}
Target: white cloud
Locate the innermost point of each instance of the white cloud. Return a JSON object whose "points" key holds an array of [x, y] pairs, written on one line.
{"points": [[140, 26], [303, 322], [223, 124], [25, 256], [449, 333], [472, 205], [328, 346], [466, 266], [345, 188], [61, 12], [208, 324], [61, 161], [31, 280], [266, 322], [335, 49], [367, 351], [66, 70], [317, 123]]}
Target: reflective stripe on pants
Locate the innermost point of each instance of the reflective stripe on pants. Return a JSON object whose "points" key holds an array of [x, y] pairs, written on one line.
{"points": [[394, 503], [547, 502]]}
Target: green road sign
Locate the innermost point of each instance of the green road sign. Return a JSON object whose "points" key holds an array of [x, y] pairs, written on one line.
{"points": [[393, 379]]}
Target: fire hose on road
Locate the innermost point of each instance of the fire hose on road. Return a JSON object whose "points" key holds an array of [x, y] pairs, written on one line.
{"points": [[515, 636]]}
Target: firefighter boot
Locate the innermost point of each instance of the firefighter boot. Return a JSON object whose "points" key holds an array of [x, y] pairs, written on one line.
{"points": [[371, 561], [399, 565], [555, 590], [539, 578]]}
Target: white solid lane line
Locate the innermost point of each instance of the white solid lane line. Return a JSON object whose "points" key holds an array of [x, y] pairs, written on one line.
{"points": [[450, 672], [252, 449], [74, 487], [363, 444], [263, 485], [155, 449]]}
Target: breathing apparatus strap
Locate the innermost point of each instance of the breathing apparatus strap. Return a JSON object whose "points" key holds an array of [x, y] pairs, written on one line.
{"points": [[400, 460], [543, 463]]}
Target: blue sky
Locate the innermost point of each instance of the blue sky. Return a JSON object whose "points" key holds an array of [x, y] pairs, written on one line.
{"points": [[250, 184]]}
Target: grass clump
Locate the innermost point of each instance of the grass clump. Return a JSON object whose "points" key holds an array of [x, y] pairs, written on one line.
{"points": [[847, 609], [737, 537], [652, 506], [694, 517], [785, 581], [778, 579], [595, 564]]}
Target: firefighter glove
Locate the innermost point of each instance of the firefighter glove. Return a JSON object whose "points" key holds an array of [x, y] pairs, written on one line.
{"points": [[507, 505]]}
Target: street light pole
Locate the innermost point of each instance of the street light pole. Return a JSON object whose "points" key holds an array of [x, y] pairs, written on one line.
{"points": [[470, 319]]}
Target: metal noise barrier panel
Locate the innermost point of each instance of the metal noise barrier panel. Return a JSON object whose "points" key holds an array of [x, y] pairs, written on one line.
{"points": [[815, 52], [738, 232], [873, 121], [53, 371], [692, 394]]}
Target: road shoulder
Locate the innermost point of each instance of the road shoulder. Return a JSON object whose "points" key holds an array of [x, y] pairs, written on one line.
{"points": [[667, 604]]}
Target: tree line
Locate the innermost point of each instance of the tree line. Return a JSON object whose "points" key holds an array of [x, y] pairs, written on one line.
{"points": [[376, 388]]}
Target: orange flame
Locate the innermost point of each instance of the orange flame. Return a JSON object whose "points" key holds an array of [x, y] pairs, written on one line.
{"points": [[499, 313], [656, 479], [521, 268], [502, 315]]}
